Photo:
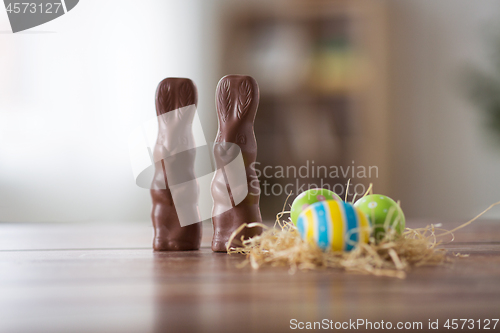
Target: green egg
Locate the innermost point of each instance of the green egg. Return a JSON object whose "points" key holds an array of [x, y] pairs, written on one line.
{"points": [[383, 213], [309, 197]]}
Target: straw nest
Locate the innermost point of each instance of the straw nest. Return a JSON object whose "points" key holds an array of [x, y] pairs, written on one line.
{"points": [[392, 256]]}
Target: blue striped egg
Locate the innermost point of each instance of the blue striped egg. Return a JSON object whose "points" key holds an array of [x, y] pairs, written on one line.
{"points": [[334, 225]]}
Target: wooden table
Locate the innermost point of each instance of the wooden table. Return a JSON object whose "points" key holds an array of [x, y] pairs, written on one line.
{"points": [[98, 277]]}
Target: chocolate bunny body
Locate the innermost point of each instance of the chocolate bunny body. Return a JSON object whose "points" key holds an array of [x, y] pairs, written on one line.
{"points": [[237, 99], [173, 151]]}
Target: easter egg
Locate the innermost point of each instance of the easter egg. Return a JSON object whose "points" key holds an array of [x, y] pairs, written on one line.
{"points": [[309, 197], [333, 224], [383, 213]]}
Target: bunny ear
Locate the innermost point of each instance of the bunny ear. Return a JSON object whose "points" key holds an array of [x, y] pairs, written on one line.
{"points": [[244, 97], [186, 94], [224, 100], [164, 98]]}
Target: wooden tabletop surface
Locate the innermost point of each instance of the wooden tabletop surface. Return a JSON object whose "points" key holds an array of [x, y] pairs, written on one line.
{"points": [[102, 277]]}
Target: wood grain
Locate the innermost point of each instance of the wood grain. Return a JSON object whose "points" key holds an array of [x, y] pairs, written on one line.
{"points": [[105, 278]]}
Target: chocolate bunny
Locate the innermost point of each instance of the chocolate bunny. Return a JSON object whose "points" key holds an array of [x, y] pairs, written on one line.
{"points": [[237, 98], [173, 152]]}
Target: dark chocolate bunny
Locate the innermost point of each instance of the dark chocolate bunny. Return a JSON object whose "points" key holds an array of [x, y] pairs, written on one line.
{"points": [[173, 152], [237, 99]]}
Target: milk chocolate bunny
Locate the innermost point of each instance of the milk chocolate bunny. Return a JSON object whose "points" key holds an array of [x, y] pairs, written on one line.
{"points": [[176, 100], [237, 99]]}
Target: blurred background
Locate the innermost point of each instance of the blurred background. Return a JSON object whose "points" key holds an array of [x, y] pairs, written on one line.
{"points": [[408, 86]]}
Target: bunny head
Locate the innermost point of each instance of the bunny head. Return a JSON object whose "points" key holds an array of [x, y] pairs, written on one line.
{"points": [[174, 93], [237, 99], [176, 100]]}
